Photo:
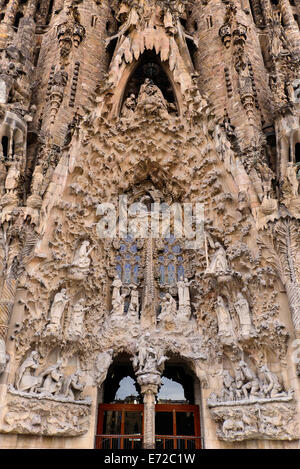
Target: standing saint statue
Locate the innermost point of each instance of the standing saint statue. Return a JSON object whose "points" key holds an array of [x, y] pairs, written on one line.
{"points": [[76, 324], [225, 329], [184, 307], [242, 308], [116, 286], [290, 182], [56, 311], [133, 310]]}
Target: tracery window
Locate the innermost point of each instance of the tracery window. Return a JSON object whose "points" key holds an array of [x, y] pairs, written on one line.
{"points": [[170, 261], [128, 261]]}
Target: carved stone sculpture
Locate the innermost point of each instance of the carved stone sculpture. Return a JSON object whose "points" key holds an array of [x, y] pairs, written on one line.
{"points": [[133, 310], [81, 263], [290, 183], [77, 319], [51, 380], [243, 310], [271, 386], [72, 386], [56, 312], [168, 310], [184, 301], [219, 262], [25, 378], [225, 328]]}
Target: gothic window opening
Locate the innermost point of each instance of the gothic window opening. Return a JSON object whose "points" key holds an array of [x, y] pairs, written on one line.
{"points": [[170, 262], [149, 67], [128, 261]]}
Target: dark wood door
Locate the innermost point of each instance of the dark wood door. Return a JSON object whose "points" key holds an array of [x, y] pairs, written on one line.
{"points": [[120, 426], [177, 426]]}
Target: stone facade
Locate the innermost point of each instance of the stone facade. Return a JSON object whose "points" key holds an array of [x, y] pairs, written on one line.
{"points": [[153, 102]]}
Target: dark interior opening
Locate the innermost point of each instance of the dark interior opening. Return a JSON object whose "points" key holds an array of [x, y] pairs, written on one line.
{"points": [[111, 49], [50, 10], [5, 147], [297, 153], [18, 17], [176, 383], [120, 385], [192, 49], [150, 67]]}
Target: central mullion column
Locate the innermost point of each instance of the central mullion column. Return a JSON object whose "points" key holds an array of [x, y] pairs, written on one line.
{"points": [[149, 392]]}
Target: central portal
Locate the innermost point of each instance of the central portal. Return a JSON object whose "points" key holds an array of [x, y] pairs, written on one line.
{"points": [[120, 426], [121, 415]]}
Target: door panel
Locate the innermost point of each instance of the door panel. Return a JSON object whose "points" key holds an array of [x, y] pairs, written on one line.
{"points": [[120, 426]]}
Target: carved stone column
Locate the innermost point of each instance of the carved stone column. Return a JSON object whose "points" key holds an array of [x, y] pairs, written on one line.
{"points": [[11, 12], [31, 8], [6, 25], [291, 26], [6, 305], [149, 392], [293, 294]]}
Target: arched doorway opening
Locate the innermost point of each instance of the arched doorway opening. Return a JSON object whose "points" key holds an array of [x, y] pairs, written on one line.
{"points": [[177, 409]]}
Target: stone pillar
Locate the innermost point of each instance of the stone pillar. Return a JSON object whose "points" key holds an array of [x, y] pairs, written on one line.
{"points": [[287, 13], [149, 392], [6, 305], [293, 294], [290, 25], [11, 12], [6, 26], [31, 9]]}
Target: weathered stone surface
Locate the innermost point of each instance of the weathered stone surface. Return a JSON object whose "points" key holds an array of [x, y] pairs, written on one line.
{"points": [[146, 104]]}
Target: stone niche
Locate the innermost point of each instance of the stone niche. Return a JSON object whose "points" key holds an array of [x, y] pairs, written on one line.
{"points": [[261, 419], [45, 417]]}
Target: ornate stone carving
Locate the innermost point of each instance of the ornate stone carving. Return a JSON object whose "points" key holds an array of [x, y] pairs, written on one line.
{"points": [[77, 319], [49, 384], [56, 312], [249, 386], [80, 266], [272, 421], [31, 416], [242, 308]]}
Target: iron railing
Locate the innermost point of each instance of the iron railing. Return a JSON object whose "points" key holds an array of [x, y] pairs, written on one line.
{"points": [[135, 441]]}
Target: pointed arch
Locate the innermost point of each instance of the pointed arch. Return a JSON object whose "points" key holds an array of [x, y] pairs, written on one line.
{"points": [[132, 68]]}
